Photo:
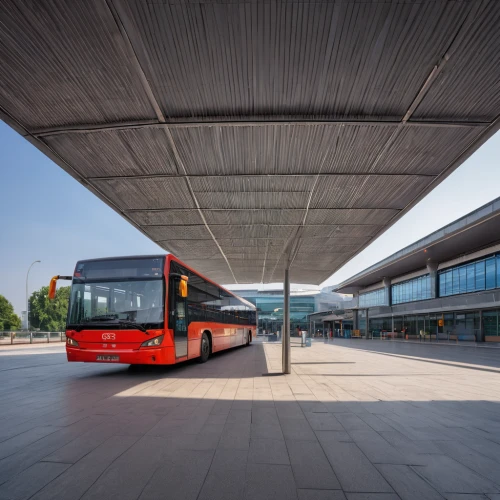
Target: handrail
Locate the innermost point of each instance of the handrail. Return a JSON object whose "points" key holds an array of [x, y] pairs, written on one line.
{"points": [[10, 337]]}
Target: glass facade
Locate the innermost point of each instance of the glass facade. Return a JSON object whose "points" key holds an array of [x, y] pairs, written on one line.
{"points": [[491, 323], [270, 311], [482, 274], [372, 299], [464, 325], [412, 290]]}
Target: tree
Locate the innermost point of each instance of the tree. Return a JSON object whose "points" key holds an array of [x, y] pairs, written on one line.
{"points": [[9, 320], [49, 315]]}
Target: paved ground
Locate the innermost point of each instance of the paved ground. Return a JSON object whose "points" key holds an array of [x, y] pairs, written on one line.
{"points": [[356, 419]]}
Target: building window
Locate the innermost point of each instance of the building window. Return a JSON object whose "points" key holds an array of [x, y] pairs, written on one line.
{"points": [[490, 273], [462, 271], [372, 299], [470, 278], [480, 275], [483, 274], [412, 290], [498, 270]]}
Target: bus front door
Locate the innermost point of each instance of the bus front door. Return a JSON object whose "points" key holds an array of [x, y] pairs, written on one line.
{"points": [[179, 311]]}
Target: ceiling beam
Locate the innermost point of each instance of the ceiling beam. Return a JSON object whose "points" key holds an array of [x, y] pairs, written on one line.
{"points": [[139, 124], [312, 174], [249, 209], [265, 224]]}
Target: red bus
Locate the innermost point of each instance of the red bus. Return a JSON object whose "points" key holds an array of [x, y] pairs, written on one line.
{"points": [[150, 310]]}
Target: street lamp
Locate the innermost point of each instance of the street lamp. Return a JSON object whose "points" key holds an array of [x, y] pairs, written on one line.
{"points": [[27, 300]]}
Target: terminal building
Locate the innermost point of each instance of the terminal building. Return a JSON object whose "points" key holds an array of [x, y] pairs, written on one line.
{"points": [[304, 301], [444, 287]]}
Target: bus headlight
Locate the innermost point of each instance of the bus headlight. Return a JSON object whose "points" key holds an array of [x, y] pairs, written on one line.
{"points": [[153, 342], [71, 342]]}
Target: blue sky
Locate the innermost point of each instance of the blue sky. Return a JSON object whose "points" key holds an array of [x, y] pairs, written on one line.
{"points": [[46, 215]]}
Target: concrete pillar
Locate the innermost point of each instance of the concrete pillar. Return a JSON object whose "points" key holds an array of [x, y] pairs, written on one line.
{"points": [[481, 333], [285, 345], [355, 320], [387, 289], [367, 331], [432, 268]]}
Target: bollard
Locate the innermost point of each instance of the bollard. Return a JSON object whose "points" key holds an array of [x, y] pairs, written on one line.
{"points": [[31, 337], [304, 339], [11, 338]]}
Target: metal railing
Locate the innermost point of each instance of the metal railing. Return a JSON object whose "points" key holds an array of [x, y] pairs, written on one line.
{"points": [[24, 337]]}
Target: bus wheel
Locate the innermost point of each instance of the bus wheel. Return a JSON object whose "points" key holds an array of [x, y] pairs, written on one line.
{"points": [[205, 349]]}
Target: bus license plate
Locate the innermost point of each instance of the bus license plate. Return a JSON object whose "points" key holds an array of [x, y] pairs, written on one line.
{"points": [[108, 358]]}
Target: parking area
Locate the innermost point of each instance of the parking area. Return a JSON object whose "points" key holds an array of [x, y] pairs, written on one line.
{"points": [[355, 419]]}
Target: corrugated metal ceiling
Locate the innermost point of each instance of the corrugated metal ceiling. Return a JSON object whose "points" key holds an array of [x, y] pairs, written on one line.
{"points": [[244, 136]]}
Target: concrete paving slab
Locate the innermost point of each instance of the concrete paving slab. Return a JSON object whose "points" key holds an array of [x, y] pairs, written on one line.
{"points": [[25, 485], [466, 496], [372, 496], [180, 480], [16, 443], [473, 460], [266, 431], [128, 475], [270, 482], [75, 481], [354, 471], [448, 475], [310, 466], [268, 451], [221, 485], [321, 495], [235, 436], [379, 451], [229, 460], [407, 484], [297, 429], [323, 422]]}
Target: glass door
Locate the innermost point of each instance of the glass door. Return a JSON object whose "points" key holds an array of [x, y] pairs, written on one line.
{"points": [[178, 311]]}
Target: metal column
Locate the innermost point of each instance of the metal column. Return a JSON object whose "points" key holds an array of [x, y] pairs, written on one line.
{"points": [[287, 364], [367, 330]]}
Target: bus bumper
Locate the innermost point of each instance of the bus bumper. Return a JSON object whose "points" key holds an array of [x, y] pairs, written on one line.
{"points": [[150, 356]]}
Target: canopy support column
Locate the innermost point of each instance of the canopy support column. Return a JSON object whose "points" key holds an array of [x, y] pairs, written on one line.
{"points": [[287, 364]]}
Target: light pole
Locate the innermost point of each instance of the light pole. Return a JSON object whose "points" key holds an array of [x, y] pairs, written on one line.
{"points": [[27, 299]]}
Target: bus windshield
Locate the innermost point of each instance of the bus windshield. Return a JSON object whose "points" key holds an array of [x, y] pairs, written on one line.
{"points": [[137, 301]]}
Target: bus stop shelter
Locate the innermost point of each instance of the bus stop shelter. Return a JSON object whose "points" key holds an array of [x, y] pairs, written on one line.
{"points": [[258, 141]]}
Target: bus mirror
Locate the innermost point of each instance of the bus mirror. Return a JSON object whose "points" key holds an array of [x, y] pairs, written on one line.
{"points": [[53, 284], [52, 287], [183, 287]]}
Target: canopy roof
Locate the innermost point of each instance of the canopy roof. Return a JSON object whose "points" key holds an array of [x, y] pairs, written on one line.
{"points": [[244, 136]]}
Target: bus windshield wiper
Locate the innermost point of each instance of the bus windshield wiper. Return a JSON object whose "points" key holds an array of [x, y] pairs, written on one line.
{"points": [[131, 323]]}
